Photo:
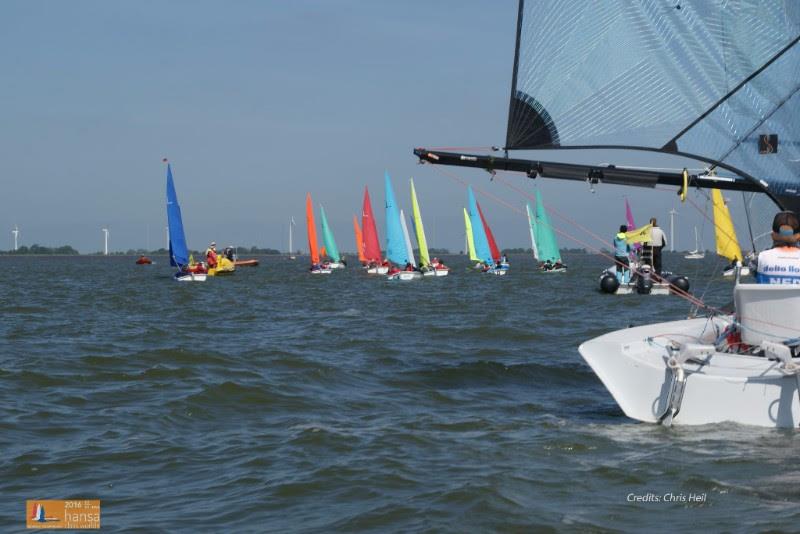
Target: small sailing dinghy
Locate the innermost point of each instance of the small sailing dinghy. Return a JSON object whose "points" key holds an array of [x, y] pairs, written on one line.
{"points": [[499, 264], [695, 254], [543, 239], [178, 251], [480, 238], [330, 243], [725, 235], [144, 260], [372, 248], [428, 267], [317, 267], [398, 242]]}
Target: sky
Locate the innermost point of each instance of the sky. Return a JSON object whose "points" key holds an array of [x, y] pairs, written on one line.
{"points": [[256, 103]]}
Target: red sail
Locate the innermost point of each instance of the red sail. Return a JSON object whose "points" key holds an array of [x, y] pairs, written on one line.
{"points": [[372, 249], [312, 230], [492, 244]]}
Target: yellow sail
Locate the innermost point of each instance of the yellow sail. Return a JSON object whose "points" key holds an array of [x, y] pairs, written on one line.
{"points": [[639, 235], [424, 257], [470, 241], [727, 244]]}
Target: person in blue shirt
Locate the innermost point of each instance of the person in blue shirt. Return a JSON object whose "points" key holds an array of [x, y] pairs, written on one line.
{"points": [[781, 263], [622, 252]]}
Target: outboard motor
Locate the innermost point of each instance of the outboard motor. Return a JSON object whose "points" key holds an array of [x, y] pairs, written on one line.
{"points": [[609, 282], [644, 284], [680, 282]]}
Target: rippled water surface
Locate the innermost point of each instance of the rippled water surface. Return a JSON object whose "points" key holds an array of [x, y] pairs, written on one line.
{"points": [[273, 400]]}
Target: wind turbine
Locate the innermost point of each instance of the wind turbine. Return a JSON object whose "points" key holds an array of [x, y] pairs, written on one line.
{"points": [[672, 214], [291, 252], [15, 231], [105, 232]]}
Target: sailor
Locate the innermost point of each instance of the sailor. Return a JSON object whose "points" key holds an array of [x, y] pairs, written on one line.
{"points": [[229, 253], [658, 240], [781, 263], [547, 265], [211, 255], [622, 251], [409, 267]]}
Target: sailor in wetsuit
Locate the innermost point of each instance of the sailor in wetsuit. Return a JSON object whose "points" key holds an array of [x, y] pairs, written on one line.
{"points": [[781, 263]]}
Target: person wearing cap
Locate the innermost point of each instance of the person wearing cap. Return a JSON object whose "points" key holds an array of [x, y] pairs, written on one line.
{"points": [[781, 263], [211, 255]]}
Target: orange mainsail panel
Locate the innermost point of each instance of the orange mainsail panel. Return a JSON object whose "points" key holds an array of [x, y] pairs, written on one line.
{"points": [[359, 240], [312, 230]]}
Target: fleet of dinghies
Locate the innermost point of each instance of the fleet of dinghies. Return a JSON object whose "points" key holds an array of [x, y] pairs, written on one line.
{"points": [[721, 90]]}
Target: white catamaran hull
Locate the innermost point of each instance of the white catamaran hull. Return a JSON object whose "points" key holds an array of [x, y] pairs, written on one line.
{"points": [[320, 271], [633, 366], [336, 265], [378, 270], [190, 277], [406, 275], [441, 272]]}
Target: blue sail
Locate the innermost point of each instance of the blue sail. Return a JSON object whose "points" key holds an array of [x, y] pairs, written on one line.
{"points": [[395, 244], [178, 251], [478, 233]]}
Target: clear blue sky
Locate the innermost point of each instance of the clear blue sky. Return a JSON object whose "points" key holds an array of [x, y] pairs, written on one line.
{"points": [[255, 103]]}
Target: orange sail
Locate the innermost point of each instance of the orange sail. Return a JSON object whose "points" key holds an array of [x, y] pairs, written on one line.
{"points": [[359, 240], [312, 230]]}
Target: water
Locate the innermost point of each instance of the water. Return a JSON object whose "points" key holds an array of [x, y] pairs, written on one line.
{"points": [[273, 400]]}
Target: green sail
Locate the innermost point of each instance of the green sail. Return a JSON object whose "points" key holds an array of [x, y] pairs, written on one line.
{"points": [[327, 237], [470, 241], [424, 257], [545, 236]]}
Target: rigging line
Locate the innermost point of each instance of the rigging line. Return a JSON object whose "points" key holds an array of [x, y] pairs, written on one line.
{"points": [[674, 140], [677, 291], [685, 294]]}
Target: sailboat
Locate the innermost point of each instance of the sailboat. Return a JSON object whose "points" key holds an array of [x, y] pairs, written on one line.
{"points": [[428, 267], [330, 243], [696, 254], [720, 90], [188, 271], [479, 237], [372, 249], [547, 246], [317, 267], [725, 236], [398, 242], [499, 264]]}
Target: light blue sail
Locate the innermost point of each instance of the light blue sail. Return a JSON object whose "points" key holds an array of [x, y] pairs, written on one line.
{"points": [[478, 233], [545, 236], [178, 251], [395, 244], [327, 237]]}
